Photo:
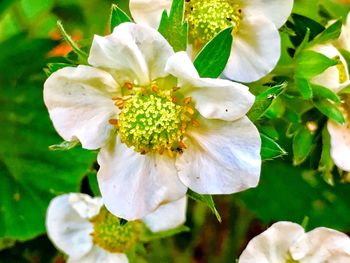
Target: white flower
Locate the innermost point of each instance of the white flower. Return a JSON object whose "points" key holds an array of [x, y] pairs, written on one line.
{"points": [[256, 44], [161, 128], [74, 225], [337, 78], [286, 242]]}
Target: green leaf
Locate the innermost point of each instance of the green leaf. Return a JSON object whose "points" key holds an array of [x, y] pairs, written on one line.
{"points": [[212, 59], [330, 33], [148, 236], [330, 110], [270, 149], [53, 67], [302, 145], [323, 92], [92, 178], [290, 193], [31, 175], [64, 146], [81, 54], [304, 87], [310, 63], [264, 100], [205, 199], [173, 27], [118, 17], [304, 43]]}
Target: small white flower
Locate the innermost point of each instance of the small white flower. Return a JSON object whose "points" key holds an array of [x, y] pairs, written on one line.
{"points": [[286, 242], [74, 225], [161, 128], [256, 44]]}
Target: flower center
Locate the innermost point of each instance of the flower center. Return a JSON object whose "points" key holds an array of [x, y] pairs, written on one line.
{"points": [[153, 120], [207, 18], [341, 69], [111, 235]]}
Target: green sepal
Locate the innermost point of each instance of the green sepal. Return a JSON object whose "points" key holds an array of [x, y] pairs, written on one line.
{"points": [[270, 149], [64, 146], [330, 33], [304, 88], [303, 142], [83, 56], [205, 199], [310, 63], [330, 110], [173, 27], [148, 235], [325, 93], [264, 100], [212, 59], [326, 164], [118, 17]]}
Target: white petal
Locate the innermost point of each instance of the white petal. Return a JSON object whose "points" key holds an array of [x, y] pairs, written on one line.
{"points": [[67, 230], [148, 12], [214, 98], [277, 11], [272, 246], [181, 66], [340, 144], [221, 158], [167, 216], [330, 78], [133, 185], [86, 206], [256, 50], [133, 53], [80, 104], [319, 245], [98, 255]]}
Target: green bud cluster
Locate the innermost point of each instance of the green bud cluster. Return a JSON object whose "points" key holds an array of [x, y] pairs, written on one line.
{"points": [[207, 18], [111, 235]]}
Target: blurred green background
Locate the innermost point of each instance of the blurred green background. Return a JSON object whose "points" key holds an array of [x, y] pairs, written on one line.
{"points": [[31, 175]]}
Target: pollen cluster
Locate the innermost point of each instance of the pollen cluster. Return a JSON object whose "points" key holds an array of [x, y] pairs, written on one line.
{"points": [[152, 120], [111, 235], [207, 18]]}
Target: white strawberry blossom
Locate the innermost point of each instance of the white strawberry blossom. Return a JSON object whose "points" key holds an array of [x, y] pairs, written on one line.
{"points": [[69, 224], [160, 127], [287, 242], [256, 46]]}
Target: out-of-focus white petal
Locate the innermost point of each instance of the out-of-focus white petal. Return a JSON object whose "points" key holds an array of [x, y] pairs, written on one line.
{"points": [[214, 98], [80, 104], [167, 216], [148, 12], [255, 51], [340, 144], [344, 38], [320, 245], [98, 255], [67, 230], [133, 185], [86, 206], [221, 158], [277, 11], [272, 246], [331, 77], [133, 53]]}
